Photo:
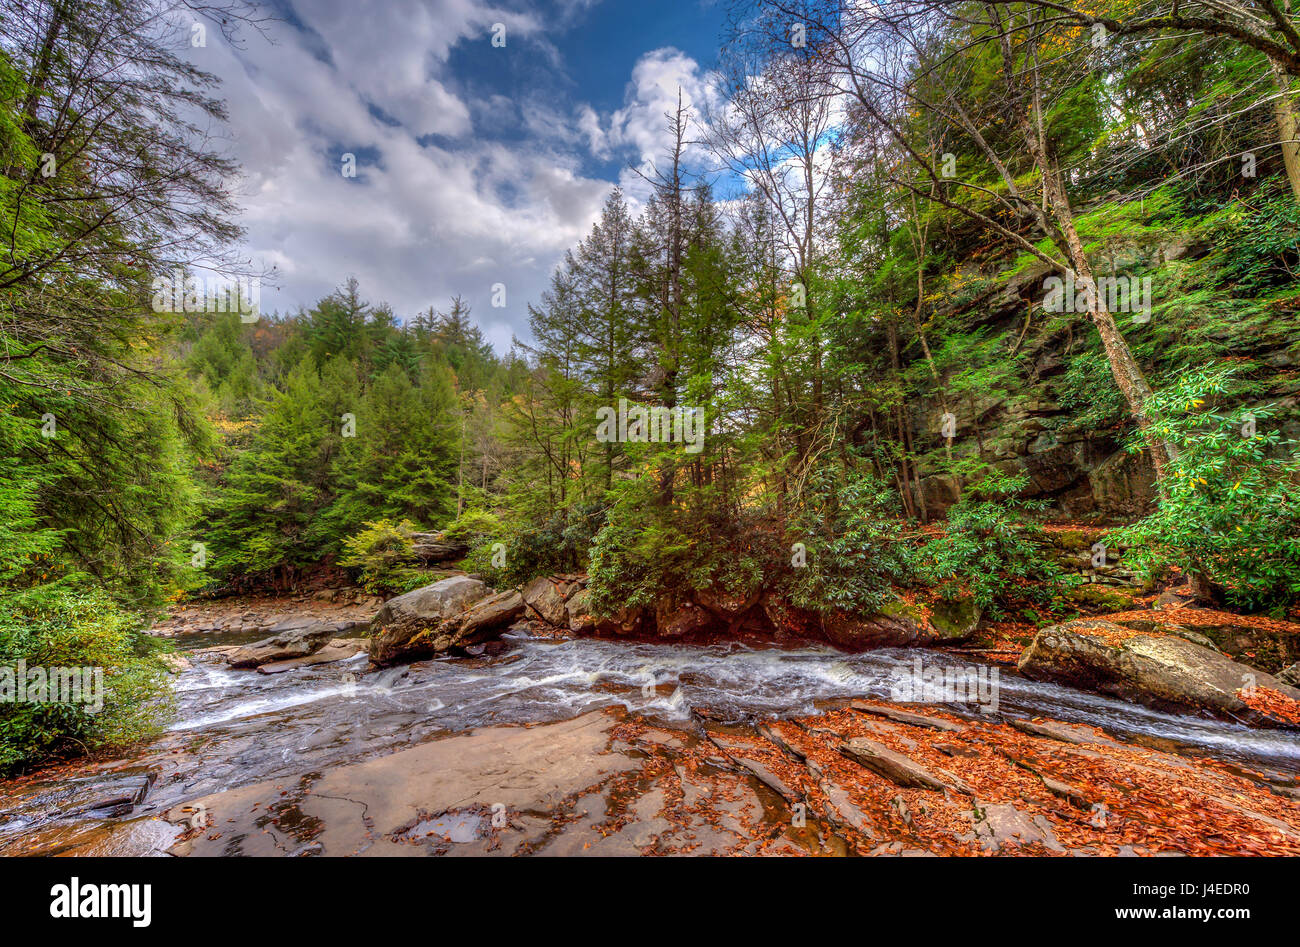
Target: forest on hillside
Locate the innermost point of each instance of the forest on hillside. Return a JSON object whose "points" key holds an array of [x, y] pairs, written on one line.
{"points": [[938, 278]]}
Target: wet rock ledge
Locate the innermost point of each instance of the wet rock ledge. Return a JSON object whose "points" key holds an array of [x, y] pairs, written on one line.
{"points": [[462, 611], [871, 778]]}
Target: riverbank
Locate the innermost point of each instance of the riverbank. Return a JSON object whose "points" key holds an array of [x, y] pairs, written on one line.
{"points": [[591, 745], [870, 779]]}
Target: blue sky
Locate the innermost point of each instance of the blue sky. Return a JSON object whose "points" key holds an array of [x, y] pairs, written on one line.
{"points": [[597, 47], [475, 164]]}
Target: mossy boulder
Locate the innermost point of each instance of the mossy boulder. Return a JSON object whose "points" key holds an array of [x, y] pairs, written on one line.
{"points": [[1101, 598], [955, 618], [1071, 540]]}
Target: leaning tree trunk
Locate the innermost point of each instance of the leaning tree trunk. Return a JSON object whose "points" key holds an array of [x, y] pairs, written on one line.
{"points": [[1284, 114], [1123, 366], [1128, 374]]}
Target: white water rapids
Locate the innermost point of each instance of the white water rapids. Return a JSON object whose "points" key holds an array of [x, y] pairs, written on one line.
{"points": [[541, 679]]}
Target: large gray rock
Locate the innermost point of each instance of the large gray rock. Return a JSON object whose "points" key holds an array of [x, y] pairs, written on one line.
{"points": [[544, 597], [489, 615], [298, 640], [1163, 671], [407, 627], [1271, 646]]}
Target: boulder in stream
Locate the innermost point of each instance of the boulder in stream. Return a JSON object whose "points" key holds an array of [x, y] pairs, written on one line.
{"points": [[298, 640], [447, 614], [1164, 671], [1265, 643]]}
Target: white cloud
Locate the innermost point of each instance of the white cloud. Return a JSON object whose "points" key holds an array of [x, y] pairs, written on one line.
{"points": [[641, 125], [421, 223]]}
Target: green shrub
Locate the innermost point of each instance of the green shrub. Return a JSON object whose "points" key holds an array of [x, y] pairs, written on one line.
{"points": [[384, 555], [78, 628], [630, 564], [473, 528], [990, 550], [854, 549], [1259, 247], [560, 544], [1230, 514], [645, 553]]}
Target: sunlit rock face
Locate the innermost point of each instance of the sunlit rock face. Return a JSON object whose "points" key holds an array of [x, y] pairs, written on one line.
{"points": [[1159, 670], [417, 623]]}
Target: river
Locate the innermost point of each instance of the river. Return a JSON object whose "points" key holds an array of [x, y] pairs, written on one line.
{"points": [[237, 727]]}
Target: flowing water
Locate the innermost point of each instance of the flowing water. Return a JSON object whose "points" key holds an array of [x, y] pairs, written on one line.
{"points": [[237, 727]]}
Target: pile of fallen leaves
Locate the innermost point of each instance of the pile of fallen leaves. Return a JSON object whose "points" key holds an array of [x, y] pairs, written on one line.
{"points": [[1273, 703], [1190, 616]]}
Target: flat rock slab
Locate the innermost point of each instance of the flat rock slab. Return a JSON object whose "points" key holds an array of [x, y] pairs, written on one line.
{"points": [[394, 804], [113, 797], [841, 810], [296, 642], [906, 716], [1065, 732], [1000, 824], [135, 837], [294, 623], [897, 768], [327, 655], [745, 756]]}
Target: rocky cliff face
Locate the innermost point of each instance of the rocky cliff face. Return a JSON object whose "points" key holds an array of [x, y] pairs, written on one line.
{"points": [[1030, 426]]}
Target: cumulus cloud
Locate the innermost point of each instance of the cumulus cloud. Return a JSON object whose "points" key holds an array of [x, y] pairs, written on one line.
{"points": [[457, 187], [435, 209], [642, 124]]}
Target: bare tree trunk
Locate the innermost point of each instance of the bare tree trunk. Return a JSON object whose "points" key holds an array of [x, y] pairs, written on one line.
{"points": [[460, 466], [672, 189], [1285, 115], [39, 78], [1123, 366]]}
